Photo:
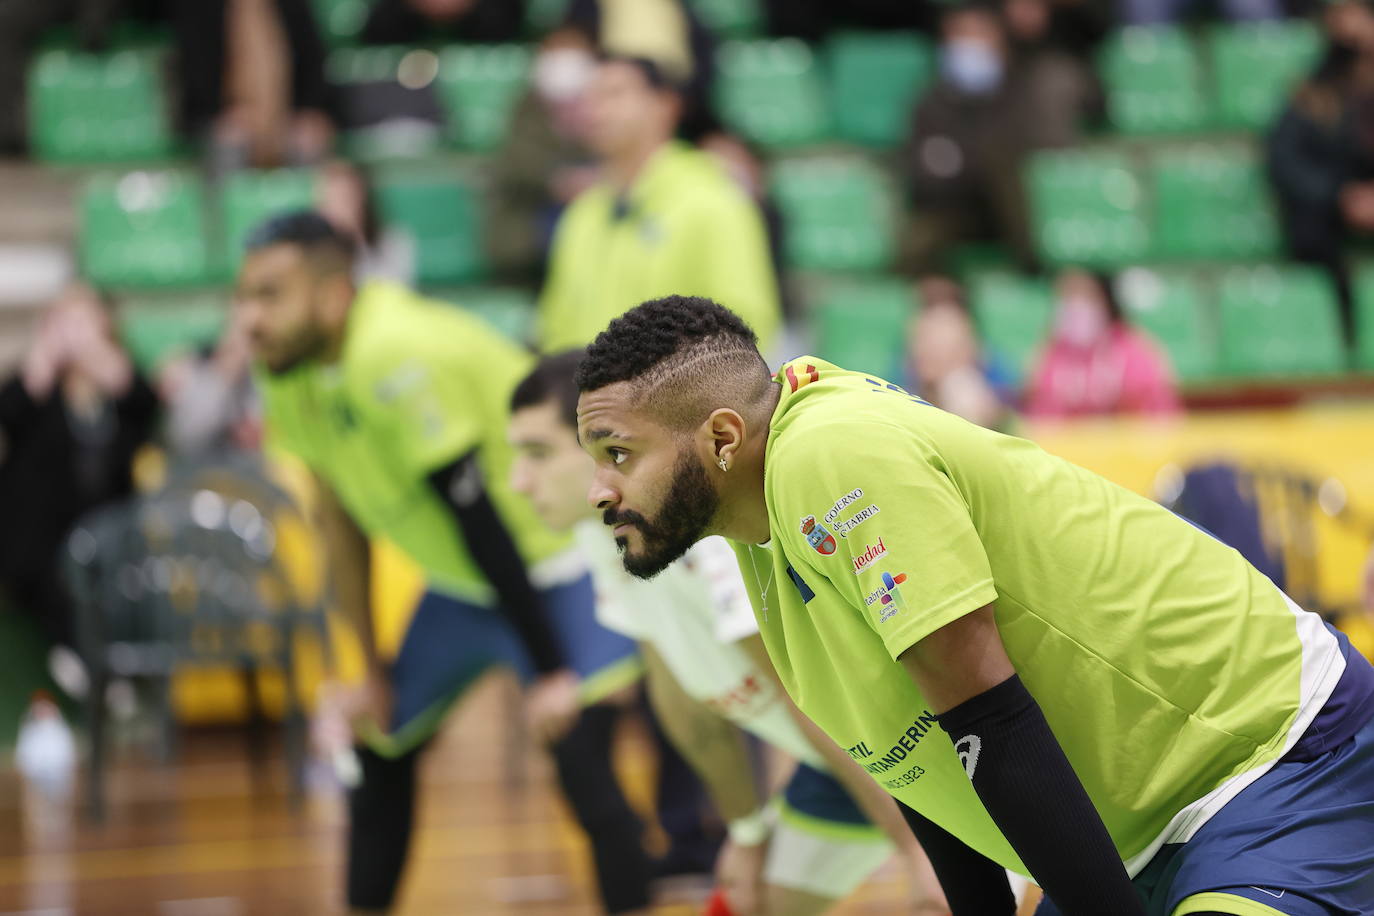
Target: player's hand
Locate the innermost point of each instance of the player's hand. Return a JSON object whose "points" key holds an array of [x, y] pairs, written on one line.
{"points": [[368, 701], [553, 704], [739, 873]]}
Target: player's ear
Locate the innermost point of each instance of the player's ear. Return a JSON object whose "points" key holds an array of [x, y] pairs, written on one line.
{"points": [[336, 296], [721, 437]]}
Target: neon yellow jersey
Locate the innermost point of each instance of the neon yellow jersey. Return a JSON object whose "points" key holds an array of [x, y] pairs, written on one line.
{"points": [[419, 384], [684, 228], [1171, 671]]}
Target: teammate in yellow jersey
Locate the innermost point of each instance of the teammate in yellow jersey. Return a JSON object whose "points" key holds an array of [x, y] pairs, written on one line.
{"points": [[399, 406], [1054, 675]]}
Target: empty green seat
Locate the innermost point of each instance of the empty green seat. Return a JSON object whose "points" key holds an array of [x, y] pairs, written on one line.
{"points": [[442, 213], [98, 107], [861, 325], [249, 198], [731, 18], [1279, 321], [770, 92], [145, 229], [1255, 66], [542, 16], [875, 78], [1212, 202], [1013, 315], [1175, 308], [509, 309], [341, 21], [156, 327], [1153, 80], [836, 214], [1087, 208], [1364, 317], [480, 86]]}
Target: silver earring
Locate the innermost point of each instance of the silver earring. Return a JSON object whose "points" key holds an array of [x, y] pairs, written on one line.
{"points": [[723, 465]]}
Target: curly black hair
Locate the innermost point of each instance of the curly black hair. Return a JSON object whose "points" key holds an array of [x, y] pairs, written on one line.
{"points": [[653, 331]]}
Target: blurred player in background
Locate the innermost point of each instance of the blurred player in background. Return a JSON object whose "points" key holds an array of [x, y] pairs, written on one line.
{"points": [[1056, 676], [664, 218], [708, 677], [399, 406]]}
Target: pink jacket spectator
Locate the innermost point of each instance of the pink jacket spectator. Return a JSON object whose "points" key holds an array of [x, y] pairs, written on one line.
{"points": [[1124, 373]]}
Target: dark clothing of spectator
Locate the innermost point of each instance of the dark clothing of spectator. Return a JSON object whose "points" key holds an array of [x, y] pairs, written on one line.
{"points": [[488, 22], [1322, 143], [55, 468]]}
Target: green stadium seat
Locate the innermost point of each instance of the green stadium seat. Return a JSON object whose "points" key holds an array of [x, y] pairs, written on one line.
{"points": [[770, 92], [99, 107], [861, 325], [1255, 65], [156, 327], [509, 309], [1279, 321], [730, 18], [837, 214], [875, 79], [542, 16], [480, 86], [1153, 80], [1013, 315], [145, 229], [1364, 317], [442, 212], [1175, 308], [341, 21], [249, 198], [1087, 208], [1212, 202]]}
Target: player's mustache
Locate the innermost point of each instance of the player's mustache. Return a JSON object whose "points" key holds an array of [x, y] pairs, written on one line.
{"points": [[612, 517]]}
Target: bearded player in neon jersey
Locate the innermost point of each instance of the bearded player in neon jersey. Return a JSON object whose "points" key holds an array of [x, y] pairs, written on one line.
{"points": [[1055, 675]]}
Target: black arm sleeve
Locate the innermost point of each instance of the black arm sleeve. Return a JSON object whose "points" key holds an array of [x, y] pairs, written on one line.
{"points": [[973, 884], [460, 486], [1033, 795], [17, 409]]}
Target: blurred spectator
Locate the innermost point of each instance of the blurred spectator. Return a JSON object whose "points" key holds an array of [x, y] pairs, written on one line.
{"points": [[1164, 12], [1094, 361], [667, 32], [1321, 150], [971, 133], [1052, 44], [745, 166], [1073, 27], [405, 22], [71, 419], [344, 195], [664, 218], [22, 24], [252, 76], [213, 408], [946, 361], [545, 162]]}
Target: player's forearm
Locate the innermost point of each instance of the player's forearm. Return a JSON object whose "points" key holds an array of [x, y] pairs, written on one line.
{"points": [[349, 560], [710, 744], [1032, 794]]}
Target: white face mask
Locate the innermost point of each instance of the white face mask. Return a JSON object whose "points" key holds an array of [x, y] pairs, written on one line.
{"points": [[563, 73], [971, 65], [1081, 322]]}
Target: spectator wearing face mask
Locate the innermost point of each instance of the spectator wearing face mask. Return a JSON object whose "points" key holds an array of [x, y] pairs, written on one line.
{"points": [[545, 161], [1096, 363], [970, 136]]}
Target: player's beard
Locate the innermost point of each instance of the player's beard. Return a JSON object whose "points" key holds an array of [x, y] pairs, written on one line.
{"points": [[682, 520], [306, 344]]}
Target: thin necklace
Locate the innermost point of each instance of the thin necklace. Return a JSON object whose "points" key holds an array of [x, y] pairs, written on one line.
{"points": [[763, 589]]}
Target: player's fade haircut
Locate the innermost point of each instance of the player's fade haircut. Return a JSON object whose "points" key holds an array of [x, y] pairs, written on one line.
{"points": [[551, 381], [312, 233], [685, 356]]}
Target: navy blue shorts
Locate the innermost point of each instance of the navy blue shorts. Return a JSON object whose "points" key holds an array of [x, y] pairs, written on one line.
{"points": [[449, 642], [1299, 841]]}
